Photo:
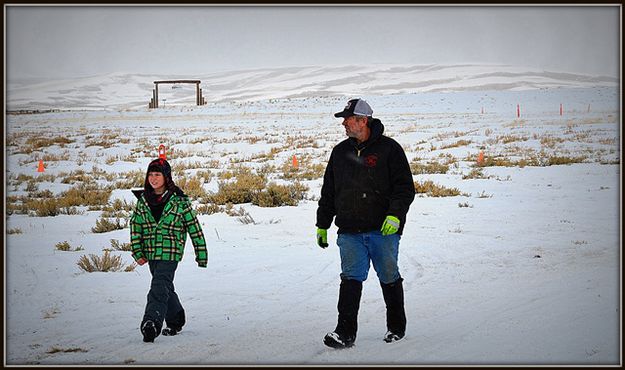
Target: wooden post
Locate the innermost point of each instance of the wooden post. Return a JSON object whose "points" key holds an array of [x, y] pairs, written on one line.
{"points": [[197, 94], [156, 96]]}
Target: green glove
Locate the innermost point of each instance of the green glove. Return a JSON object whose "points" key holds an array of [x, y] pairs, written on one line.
{"points": [[322, 237], [390, 225]]}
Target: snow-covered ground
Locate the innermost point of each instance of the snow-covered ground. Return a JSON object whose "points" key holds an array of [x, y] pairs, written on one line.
{"points": [[523, 268]]}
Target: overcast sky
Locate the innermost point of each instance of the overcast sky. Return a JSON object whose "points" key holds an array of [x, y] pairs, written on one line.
{"points": [[60, 42]]}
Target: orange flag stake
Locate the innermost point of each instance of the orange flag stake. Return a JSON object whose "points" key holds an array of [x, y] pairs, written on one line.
{"points": [[40, 168], [294, 161], [480, 158]]}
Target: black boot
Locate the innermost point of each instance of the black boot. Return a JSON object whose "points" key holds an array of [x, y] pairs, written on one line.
{"points": [[149, 330], [395, 314], [349, 302], [174, 324]]}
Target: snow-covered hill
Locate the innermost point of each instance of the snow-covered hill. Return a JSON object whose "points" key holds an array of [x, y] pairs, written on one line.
{"points": [[118, 91]]}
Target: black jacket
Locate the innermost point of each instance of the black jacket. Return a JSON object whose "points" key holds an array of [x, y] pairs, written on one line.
{"points": [[363, 183]]}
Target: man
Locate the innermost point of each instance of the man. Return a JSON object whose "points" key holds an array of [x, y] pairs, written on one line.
{"points": [[368, 187]]}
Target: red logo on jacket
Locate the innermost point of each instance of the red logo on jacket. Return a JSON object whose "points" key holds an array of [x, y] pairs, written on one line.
{"points": [[371, 160]]}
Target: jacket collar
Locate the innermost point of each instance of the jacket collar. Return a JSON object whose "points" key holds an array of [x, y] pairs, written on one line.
{"points": [[166, 209]]}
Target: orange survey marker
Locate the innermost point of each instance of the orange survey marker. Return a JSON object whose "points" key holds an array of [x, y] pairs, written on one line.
{"points": [[480, 158], [294, 162], [40, 168], [161, 152]]}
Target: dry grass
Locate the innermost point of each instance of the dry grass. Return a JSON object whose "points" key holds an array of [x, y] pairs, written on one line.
{"points": [[242, 190], [44, 207], [431, 189], [457, 144], [85, 195], [550, 141], [559, 160], [104, 263], [116, 245], [38, 143], [428, 168], [306, 169], [192, 186], [55, 349], [103, 225], [131, 179], [209, 209], [15, 230], [476, 173], [275, 195], [66, 247], [78, 176], [51, 313]]}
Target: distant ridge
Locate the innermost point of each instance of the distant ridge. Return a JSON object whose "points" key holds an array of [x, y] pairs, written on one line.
{"points": [[133, 91]]}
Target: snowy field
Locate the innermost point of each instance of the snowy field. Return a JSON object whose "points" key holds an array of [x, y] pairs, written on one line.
{"points": [[521, 268]]}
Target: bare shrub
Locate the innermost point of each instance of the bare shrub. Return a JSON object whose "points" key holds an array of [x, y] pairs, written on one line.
{"points": [[457, 144], [556, 160], [246, 219], [40, 143], [78, 176], [42, 194], [234, 212], [116, 245], [305, 170], [15, 230], [103, 225], [429, 168], [476, 173], [434, 190], [243, 190], [66, 247], [506, 139], [105, 263], [32, 186], [84, 195], [192, 186], [44, 207], [280, 195], [55, 349], [208, 209], [131, 179]]}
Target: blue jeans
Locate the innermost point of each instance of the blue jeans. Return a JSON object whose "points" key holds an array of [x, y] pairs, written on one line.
{"points": [[358, 250]]}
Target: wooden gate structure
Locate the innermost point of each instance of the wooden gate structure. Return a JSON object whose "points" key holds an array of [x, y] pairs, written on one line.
{"points": [[199, 99]]}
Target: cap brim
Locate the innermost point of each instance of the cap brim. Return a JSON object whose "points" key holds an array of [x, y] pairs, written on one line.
{"points": [[343, 114]]}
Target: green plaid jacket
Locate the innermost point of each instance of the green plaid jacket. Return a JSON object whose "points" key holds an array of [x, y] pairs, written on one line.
{"points": [[166, 239]]}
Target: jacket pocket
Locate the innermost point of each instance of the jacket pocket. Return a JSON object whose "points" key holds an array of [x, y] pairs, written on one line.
{"points": [[374, 208]]}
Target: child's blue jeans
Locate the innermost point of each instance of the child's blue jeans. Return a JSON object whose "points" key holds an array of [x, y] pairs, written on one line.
{"points": [[358, 250]]}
